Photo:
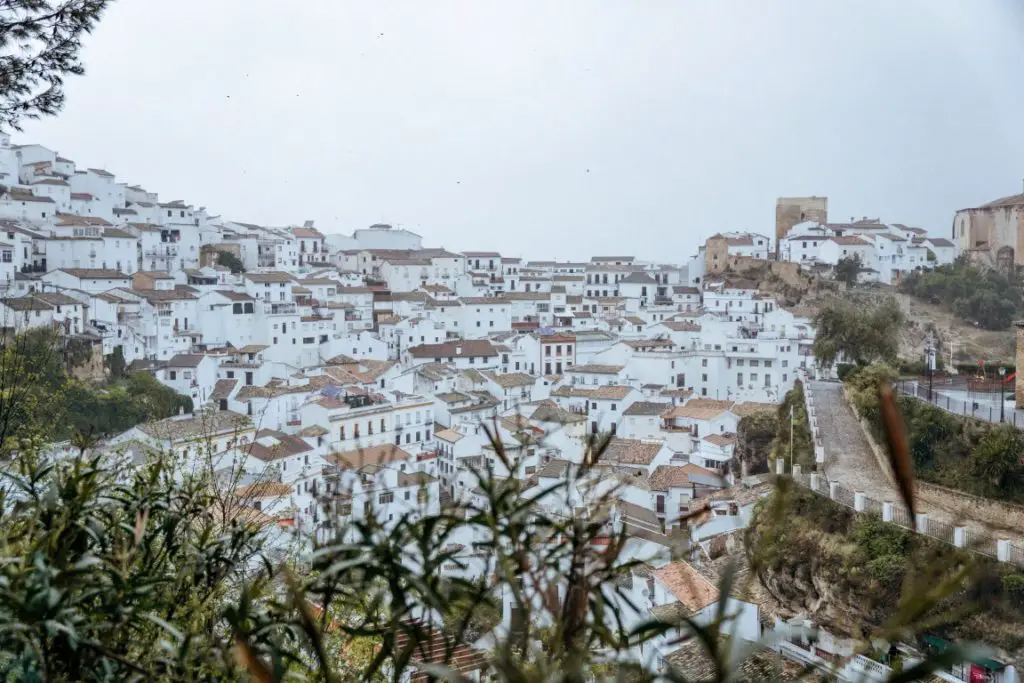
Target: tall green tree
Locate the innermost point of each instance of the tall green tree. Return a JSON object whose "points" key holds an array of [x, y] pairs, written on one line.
{"points": [[861, 331], [229, 260], [40, 42], [986, 297], [848, 268]]}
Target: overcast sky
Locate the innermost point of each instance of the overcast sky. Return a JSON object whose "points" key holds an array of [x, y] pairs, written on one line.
{"points": [[554, 128]]}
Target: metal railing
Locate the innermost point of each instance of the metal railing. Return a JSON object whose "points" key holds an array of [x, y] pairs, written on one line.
{"points": [[940, 530], [982, 410], [1016, 554], [901, 516], [844, 495]]}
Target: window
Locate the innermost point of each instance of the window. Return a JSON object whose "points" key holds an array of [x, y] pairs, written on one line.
{"points": [[785, 363], [173, 374], [703, 362], [739, 378], [593, 405], [753, 377], [386, 498], [740, 362], [613, 407], [341, 434], [767, 363], [704, 378]]}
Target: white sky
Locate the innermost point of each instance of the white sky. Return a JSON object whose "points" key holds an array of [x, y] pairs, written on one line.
{"points": [[554, 128]]}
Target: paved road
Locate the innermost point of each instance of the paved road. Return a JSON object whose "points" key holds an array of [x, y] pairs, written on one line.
{"points": [[848, 457], [849, 460]]}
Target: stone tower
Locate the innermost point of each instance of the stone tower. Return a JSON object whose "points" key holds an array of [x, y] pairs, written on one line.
{"points": [[792, 210]]}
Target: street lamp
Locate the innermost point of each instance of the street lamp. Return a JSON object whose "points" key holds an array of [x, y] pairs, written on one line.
{"points": [[1002, 403]]}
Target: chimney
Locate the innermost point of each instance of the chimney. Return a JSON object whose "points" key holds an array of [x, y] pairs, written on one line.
{"points": [[307, 224]]}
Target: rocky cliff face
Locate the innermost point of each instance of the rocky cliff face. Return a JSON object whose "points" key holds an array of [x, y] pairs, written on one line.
{"points": [[815, 561], [811, 583]]}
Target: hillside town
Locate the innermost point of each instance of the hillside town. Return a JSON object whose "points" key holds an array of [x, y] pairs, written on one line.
{"points": [[372, 374]]}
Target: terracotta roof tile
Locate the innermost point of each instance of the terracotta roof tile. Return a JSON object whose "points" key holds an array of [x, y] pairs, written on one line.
{"points": [[632, 451], [688, 585]]}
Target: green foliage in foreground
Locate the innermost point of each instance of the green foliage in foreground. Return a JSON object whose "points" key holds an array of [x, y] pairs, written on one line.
{"points": [[112, 578], [958, 452], [147, 573], [986, 297]]}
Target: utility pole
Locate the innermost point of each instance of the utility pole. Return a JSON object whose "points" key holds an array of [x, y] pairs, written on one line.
{"points": [[930, 361], [791, 419]]}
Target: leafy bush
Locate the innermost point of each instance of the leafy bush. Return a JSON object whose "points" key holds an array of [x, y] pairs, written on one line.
{"points": [[919, 366], [957, 452], [112, 573], [843, 370], [996, 462], [984, 296], [45, 399], [888, 569], [877, 538], [1013, 584], [802, 444]]}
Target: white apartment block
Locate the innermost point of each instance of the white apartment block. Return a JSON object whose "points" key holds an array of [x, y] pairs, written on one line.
{"points": [[886, 251]]}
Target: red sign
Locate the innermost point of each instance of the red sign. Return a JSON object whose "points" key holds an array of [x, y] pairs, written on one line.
{"points": [[979, 674]]}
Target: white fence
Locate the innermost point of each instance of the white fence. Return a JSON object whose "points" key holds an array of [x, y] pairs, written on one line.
{"points": [[980, 542]]}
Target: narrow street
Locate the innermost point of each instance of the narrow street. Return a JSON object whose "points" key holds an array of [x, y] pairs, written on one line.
{"points": [[849, 460]]}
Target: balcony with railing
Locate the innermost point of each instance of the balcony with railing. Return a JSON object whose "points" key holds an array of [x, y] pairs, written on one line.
{"points": [[245, 365], [281, 308]]}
